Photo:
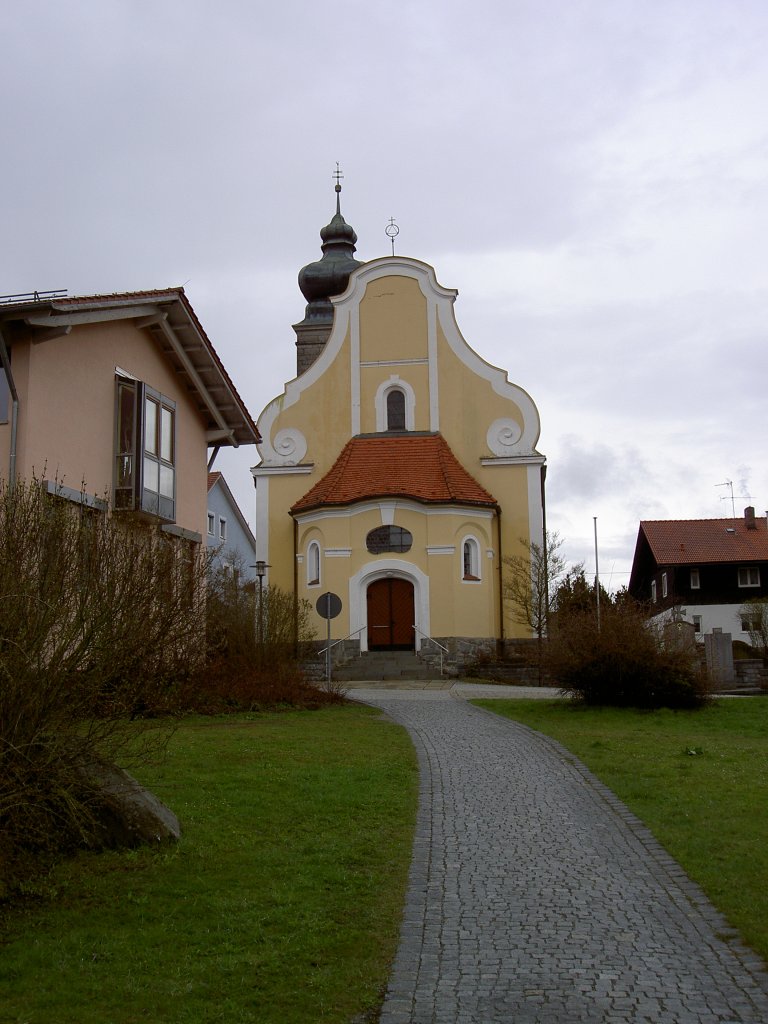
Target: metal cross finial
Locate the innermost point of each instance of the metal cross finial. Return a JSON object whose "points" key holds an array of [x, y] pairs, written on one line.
{"points": [[338, 176], [392, 231]]}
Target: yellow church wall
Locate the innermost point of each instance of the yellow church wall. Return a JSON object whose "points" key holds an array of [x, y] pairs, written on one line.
{"points": [[393, 320]]}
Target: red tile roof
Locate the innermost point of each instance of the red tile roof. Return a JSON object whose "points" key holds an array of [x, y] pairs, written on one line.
{"points": [[688, 541], [418, 466], [212, 478]]}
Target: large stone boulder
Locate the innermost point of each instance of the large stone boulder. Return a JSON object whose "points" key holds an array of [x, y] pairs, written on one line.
{"points": [[126, 813]]}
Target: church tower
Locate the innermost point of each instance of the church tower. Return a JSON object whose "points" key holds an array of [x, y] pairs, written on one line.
{"points": [[398, 468]]}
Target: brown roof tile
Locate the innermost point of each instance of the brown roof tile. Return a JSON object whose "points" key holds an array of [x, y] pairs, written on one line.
{"points": [[418, 466], [687, 541]]}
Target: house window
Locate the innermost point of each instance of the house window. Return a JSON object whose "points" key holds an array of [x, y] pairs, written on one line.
{"points": [[749, 576], [395, 409], [470, 556], [653, 591], [211, 524], [145, 450], [222, 529], [664, 587], [749, 625], [695, 579], [388, 538], [313, 565], [697, 623]]}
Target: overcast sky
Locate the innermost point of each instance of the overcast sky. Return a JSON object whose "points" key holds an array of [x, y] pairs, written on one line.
{"points": [[591, 175]]}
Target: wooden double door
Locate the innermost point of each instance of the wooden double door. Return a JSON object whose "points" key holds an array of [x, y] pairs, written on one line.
{"points": [[390, 615]]}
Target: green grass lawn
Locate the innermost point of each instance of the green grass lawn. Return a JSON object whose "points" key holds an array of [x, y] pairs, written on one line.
{"points": [[281, 904], [698, 779]]}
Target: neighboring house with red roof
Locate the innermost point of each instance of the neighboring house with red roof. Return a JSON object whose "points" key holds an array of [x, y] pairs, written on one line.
{"points": [[702, 571], [398, 468], [228, 533], [117, 400]]}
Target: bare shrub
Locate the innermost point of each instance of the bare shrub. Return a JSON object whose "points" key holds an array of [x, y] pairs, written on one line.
{"points": [[623, 662], [98, 619]]}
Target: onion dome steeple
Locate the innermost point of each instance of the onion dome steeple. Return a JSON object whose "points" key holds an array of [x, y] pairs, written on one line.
{"points": [[320, 280]]}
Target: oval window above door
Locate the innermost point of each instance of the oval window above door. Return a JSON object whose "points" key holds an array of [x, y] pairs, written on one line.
{"points": [[388, 538]]}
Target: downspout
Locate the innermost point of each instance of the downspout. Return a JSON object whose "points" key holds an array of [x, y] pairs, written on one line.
{"points": [[501, 582], [295, 587], [4, 358]]}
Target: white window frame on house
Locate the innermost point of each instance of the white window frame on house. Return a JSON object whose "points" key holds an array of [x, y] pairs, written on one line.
{"points": [[145, 450], [695, 579], [748, 625], [211, 524], [697, 626], [313, 564], [653, 591], [748, 576], [470, 560], [664, 585], [222, 529]]}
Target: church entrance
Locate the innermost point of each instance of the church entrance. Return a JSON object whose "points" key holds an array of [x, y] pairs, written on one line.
{"points": [[390, 615]]}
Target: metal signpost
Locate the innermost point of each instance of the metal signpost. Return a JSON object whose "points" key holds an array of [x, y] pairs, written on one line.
{"points": [[328, 607]]}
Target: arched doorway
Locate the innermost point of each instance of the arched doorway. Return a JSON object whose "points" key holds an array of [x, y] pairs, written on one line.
{"points": [[390, 615]]}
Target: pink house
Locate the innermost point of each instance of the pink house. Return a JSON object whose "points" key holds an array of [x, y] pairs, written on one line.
{"points": [[120, 398]]}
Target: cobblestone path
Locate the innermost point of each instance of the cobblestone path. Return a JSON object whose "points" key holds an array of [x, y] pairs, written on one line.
{"points": [[535, 897]]}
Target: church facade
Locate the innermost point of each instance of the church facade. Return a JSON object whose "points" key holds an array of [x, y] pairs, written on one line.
{"points": [[398, 468]]}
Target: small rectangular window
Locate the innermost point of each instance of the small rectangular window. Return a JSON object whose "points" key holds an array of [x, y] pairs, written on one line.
{"points": [[748, 625], [697, 623], [664, 587], [749, 576], [653, 591], [222, 529], [695, 579], [211, 524]]}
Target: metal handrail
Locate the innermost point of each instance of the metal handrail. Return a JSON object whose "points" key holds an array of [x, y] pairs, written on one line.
{"points": [[436, 643], [336, 642]]}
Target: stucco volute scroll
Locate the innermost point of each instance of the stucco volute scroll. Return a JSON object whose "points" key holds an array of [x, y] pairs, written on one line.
{"points": [[503, 437]]}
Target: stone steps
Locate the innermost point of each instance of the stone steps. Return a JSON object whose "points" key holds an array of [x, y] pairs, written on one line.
{"points": [[385, 665]]}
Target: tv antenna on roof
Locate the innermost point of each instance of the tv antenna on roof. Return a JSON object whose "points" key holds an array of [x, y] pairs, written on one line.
{"points": [[729, 483]]}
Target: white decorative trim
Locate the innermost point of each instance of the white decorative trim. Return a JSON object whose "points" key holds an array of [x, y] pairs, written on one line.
{"points": [[471, 539], [338, 552], [290, 445], [354, 367], [387, 509], [380, 569], [535, 509], [446, 549], [434, 376], [262, 520], [503, 435], [347, 511], [514, 460], [395, 383], [261, 471], [372, 363]]}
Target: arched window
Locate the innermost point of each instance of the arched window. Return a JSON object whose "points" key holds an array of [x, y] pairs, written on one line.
{"points": [[313, 564], [388, 538], [395, 409], [470, 556]]}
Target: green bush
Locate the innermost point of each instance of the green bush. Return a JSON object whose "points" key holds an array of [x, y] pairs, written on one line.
{"points": [[624, 662]]}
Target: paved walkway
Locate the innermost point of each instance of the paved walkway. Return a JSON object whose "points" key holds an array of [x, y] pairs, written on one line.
{"points": [[535, 897]]}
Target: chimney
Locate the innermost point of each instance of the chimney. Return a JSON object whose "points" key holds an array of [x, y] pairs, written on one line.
{"points": [[749, 517]]}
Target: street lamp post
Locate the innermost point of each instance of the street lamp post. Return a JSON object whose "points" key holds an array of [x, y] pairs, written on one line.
{"points": [[261, 571]]}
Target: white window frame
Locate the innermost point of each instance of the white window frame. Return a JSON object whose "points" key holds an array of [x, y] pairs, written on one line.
{"points": [[394, 383], [695, 579], [748, 576], [664, 585], [313, 564], [222, 530], [211, 524], [471, 545], [144, 450], [653, 592], [697, 624]]}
